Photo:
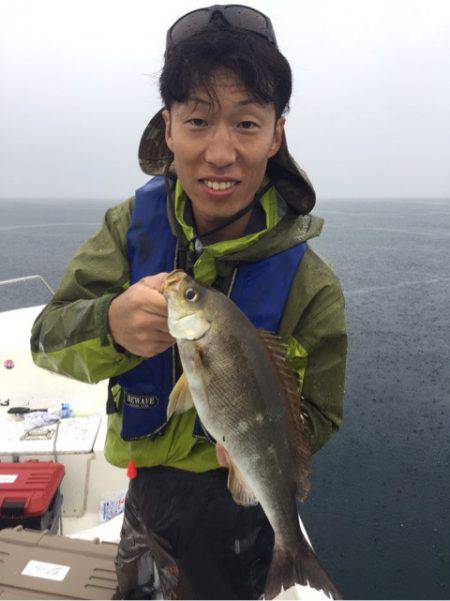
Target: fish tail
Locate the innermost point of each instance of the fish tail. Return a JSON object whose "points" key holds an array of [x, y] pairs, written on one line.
{"points": [[299, 567]]}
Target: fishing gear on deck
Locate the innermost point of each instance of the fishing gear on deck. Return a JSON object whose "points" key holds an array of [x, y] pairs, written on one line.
{"points": [[23, 410]]}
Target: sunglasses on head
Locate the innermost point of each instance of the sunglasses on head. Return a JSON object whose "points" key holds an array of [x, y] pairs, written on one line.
{"points": [[235, 15]]}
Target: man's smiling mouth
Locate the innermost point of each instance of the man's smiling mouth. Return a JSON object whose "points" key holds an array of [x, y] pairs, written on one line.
{"points": [[216, 185]]}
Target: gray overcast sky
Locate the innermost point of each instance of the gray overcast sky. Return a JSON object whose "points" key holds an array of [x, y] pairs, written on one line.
{"points": [[370, 110]]}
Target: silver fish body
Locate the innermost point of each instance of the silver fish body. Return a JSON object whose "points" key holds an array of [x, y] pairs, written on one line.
{"points": [[236, 385], [243, 410]]}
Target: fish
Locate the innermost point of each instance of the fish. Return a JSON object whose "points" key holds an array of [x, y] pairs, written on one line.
{"points": [[246, 397]]}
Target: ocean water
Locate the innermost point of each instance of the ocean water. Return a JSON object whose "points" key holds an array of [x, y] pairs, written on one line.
{"points": [[379, 512]]}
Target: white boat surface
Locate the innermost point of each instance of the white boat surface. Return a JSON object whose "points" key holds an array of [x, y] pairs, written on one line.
{"points": [[89, 481]]}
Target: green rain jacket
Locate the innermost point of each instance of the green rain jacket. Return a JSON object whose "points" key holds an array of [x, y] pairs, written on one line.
{"points": [[71, 335]]}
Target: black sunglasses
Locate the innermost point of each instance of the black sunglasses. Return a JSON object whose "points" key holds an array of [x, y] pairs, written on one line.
{"points": [[235, 15]]}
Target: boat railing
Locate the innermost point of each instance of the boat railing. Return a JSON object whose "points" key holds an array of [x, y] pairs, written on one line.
{"points": [[29, 277]]}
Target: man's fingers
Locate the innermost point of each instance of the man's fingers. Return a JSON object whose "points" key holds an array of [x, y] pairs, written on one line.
{"points": [[162, 338], [163, 344], [154, 281], [159, 324], [155, 304]]}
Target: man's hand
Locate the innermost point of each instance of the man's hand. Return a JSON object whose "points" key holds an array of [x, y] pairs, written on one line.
{"points": [[138, 318]]}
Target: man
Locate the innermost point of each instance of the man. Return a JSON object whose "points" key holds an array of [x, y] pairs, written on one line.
{"points": [[231, 196]]}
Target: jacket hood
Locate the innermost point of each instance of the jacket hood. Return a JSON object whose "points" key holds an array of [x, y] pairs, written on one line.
{"points": [[289, 179]]}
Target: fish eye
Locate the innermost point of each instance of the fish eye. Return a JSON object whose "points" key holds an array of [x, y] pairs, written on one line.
{"points": [[190, 294]]}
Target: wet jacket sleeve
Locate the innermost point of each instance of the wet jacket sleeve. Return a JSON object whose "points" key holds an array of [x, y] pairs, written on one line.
{"points": [[71, 335], [314, 324], [323, 335]]}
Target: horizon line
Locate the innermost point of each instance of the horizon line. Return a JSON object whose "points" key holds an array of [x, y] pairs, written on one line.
{"points": [[115, 199]]}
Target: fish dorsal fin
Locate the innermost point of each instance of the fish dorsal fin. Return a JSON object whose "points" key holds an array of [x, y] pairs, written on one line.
{"points": [[276, 349]]}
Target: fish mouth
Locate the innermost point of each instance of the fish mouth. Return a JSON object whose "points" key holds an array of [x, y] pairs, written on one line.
{"points": [[191, 326], [173, 280]]}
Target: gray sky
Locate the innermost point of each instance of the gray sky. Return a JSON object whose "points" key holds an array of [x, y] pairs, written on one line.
{"points": [[370, 110]]}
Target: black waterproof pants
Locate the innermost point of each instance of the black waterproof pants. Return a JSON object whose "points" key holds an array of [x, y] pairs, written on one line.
{"points": [[205, 546]]}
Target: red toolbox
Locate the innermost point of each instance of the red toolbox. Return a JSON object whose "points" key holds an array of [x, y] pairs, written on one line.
{"points": [[30, 494]]}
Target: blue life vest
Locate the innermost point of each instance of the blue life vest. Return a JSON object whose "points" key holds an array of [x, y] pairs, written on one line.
{"points": [[260, 290]]}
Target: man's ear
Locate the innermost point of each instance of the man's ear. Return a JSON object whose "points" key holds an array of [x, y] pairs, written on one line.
{"points": [[277, 137], [168, 131]]}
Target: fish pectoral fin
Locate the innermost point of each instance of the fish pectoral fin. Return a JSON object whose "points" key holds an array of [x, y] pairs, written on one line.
{"points": [[242, 494], [201, 372], [180, 399]]}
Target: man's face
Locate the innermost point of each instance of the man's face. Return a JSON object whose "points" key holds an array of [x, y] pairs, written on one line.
{"points": [[230, 140]]}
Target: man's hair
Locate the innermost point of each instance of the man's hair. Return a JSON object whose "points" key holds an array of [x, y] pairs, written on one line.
{"points": [[256, 63]]}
